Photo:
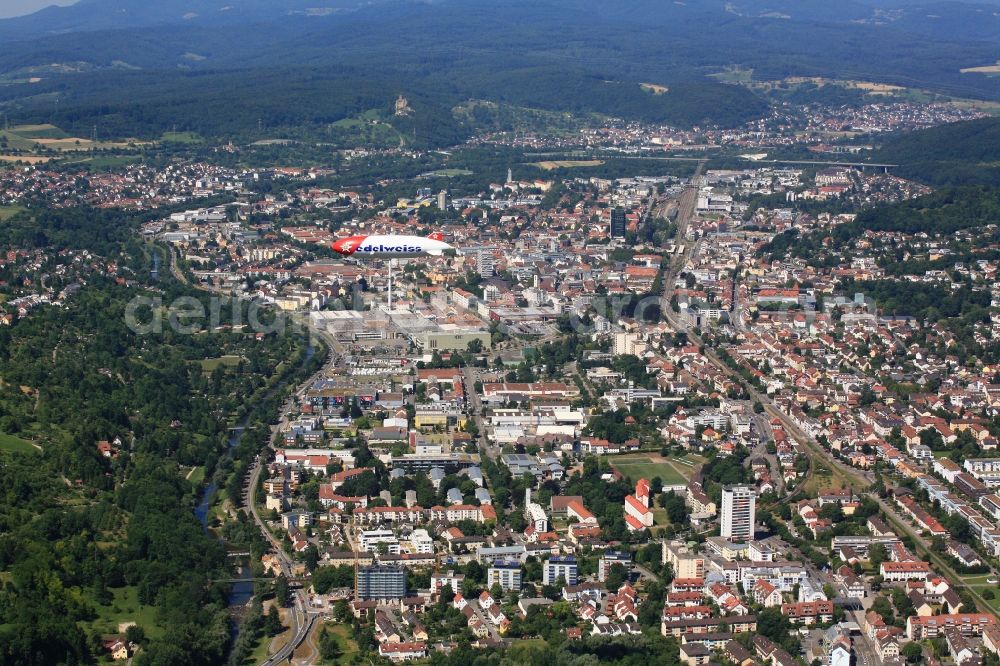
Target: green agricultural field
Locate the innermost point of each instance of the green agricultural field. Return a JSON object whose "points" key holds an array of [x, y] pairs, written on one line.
{"points": [[181, 137], [367, 127], [16, 444], [49, 138], [689, 460], [448, 173], [734, 74], [566, 164], [7, 212], [978, 580], [106, 162], [348, 123], [210, 364], [994, 603], [125, 608], [345, 639], [45, 131], [196, 475], [13, 141], [638, 467], [519, 649]]}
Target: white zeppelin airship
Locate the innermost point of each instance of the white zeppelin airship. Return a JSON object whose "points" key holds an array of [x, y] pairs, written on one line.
{"points": [[392, 247]]}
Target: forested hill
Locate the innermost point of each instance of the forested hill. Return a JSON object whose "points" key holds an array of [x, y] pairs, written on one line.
{"points": [[88, 541], [956, 154], [941, 213], [296, 101], [279, 65]]}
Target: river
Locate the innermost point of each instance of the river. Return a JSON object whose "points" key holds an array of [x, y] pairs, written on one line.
{"points": [[242, 590]]}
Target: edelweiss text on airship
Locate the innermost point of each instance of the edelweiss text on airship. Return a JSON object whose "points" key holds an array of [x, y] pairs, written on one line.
{"points": [[392, 247]]}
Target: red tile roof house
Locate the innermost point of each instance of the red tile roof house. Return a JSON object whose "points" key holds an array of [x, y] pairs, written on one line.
{"points": [[765, 594], [968, 624], [808, 612], [904, 571], [403, 651]]}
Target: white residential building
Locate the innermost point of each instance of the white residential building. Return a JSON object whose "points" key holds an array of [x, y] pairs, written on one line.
{"points": [[739, 505]]}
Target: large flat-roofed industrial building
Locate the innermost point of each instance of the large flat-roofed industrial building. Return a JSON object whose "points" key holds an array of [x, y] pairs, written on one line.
{"points": [[449, 340]]}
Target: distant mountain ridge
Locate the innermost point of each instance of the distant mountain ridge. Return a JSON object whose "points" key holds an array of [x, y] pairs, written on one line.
{"points": [[975, 19], [98, 15], [110, 59], [640, 38]]}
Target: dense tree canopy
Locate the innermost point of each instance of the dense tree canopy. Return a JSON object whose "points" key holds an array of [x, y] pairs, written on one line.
{"points": [[78, 528]]}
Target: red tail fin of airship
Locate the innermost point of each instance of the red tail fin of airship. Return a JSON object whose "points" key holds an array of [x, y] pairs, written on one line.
{"points": [[347, 246], [437, 235]]}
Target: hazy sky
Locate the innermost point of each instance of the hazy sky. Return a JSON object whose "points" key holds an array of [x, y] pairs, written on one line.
{"points": [[10, 8]]}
